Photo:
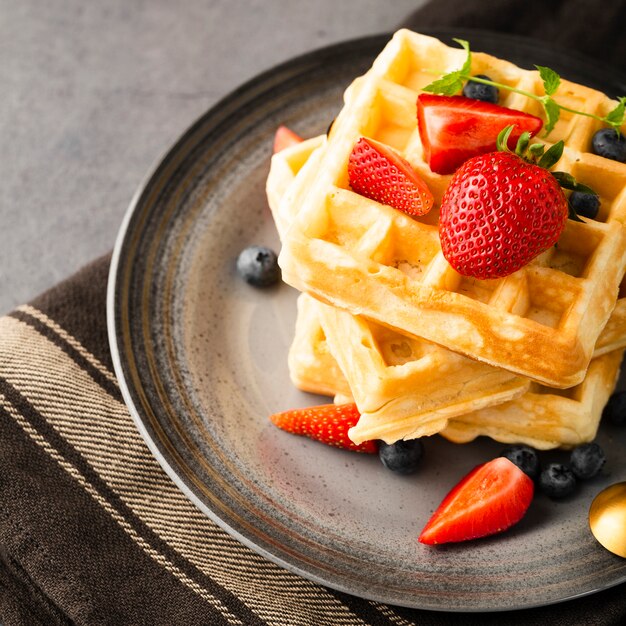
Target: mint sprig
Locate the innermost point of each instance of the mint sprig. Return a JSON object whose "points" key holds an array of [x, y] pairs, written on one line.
{"points": [[452, 82]]}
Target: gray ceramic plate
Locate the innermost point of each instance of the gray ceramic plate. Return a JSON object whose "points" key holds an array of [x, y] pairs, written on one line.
{"points": [[201, 359]]}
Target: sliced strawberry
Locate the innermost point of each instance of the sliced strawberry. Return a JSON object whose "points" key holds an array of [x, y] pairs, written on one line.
{"points": [[454, 129], [284, 138], [328, 423], [490, 499], [379, 173]]}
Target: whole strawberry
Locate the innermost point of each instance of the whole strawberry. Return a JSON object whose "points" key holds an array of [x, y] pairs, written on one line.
{"points": [[500, 211]]}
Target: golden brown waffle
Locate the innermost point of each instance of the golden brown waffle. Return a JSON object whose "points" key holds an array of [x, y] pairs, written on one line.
{"points": [[403, 386], [613, 335], [311, 366], [288, 163], [285, 165], [545, 417], [542, 417], [541, 322]]}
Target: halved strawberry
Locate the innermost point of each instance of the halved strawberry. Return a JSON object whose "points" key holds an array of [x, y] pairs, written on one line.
{"points": [[328, 423], [490, 499], [454, 129], [379, 173], [284, 138]]}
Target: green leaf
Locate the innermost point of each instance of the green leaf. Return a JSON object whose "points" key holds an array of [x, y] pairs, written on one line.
{"points": [[552, 155], [537, 150], [502, 142], [467, 66], [451, 83], [447, 85], [572, 215], [616, 117], [522, 144], [553, 110], [567, 181], [584, 189], [551, 80]]}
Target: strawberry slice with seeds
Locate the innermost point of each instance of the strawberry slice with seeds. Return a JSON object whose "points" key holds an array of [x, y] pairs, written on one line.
{"points": [[454, 129], [379, 173], [328, 423], [491, 498], [285, 138]]}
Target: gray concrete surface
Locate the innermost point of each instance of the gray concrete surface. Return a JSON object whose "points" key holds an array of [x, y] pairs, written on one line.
{"points": [[94, 92]]}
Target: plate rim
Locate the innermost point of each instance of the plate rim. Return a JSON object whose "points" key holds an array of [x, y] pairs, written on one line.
{"points": [[115, 267]]}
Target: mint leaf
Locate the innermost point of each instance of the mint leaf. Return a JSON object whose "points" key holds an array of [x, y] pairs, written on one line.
{"points": [[553, 110], [551, 80], [447, 85], [467, 66], [451, 83], [616, 117]]}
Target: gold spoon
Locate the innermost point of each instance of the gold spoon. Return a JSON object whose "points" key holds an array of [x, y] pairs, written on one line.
{"points": [[607, 518]]}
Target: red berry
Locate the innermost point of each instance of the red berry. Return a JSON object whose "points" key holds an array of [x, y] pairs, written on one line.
{"points": [[328, 423], [491, 498], [285, 138], [498, 213], [379, 173], [454, 129]]}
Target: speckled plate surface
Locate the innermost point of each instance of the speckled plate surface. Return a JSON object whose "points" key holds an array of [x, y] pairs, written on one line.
{"points": [[201, 359]]}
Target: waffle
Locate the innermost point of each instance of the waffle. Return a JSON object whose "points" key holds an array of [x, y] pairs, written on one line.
{"points": [[545, 417], [613, 336], [311, 365], [404, 387], [285, 165], [542, 417], [288, 163], [374, 261]]}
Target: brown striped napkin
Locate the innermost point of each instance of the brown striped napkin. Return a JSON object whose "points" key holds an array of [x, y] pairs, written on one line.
{"points": [[92, 530]]}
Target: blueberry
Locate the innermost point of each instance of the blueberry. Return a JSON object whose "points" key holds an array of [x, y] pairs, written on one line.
{"points": [[609, 144], [525, 458], [258, 266], [587, 460], [478, 91], [615, 409], [557, 481], [402, 457], [585, 204]]}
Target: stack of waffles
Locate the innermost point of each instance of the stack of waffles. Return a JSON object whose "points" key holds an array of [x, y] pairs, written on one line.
{"points": [[385, 321]]}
